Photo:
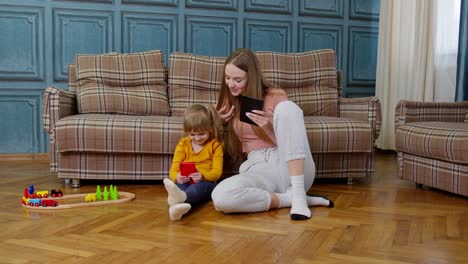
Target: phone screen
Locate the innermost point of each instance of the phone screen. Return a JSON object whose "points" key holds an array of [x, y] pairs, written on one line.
{"points": [[247, 104]]}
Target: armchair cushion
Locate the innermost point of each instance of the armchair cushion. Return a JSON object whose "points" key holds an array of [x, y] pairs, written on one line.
{"points": [[439, 140], [309, 78], [121, 83]]}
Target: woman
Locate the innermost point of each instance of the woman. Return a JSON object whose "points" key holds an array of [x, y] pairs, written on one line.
{"points": [[279, 168]]}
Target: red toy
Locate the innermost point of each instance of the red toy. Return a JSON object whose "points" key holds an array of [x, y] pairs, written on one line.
{"points": [[187, 168], [52, 203]]}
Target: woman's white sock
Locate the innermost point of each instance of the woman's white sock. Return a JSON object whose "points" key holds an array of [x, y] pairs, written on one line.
{"points": [[174, 194], [285, 200], [299, 207]]}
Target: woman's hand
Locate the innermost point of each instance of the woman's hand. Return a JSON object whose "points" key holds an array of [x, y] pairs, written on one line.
{"points": [[226, 115], [262, 119], [196, 176], [182, 179]]}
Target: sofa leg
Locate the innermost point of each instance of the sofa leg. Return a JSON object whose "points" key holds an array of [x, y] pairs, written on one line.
{"points": [[419, 185], [75, 183], [350, 180]]}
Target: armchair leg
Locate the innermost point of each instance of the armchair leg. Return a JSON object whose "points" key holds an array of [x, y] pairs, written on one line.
{"points": [[350, 180]]}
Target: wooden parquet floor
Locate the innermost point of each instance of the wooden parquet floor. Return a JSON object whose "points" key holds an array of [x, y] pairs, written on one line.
{"points": [[379, 220]]}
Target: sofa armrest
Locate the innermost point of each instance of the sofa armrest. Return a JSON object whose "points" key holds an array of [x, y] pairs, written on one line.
{"points": [[57, 104], [413, 111], [366, 109]]}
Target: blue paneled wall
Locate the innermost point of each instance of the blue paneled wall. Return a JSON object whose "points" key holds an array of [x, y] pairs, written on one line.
{"points": [[39, 38]]}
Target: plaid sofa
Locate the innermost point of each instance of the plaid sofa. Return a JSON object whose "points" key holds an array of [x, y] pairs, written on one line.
{"points": [[121, 117], [431, 140]]}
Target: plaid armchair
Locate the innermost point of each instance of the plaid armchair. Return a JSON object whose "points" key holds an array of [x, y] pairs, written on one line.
{"points": [[431, 140], [122, 115]]}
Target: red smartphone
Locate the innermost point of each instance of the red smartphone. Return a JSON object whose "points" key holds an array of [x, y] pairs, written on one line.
{"points": [[187, 168]]}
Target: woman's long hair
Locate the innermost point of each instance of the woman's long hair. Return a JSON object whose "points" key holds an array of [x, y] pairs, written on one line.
{"points": [[202, 118], [257, 87]]}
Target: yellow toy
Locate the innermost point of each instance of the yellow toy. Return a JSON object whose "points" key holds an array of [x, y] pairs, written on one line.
{"points": [[42, 194], [90, 197]]}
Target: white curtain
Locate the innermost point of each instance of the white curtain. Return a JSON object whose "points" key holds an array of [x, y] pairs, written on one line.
{"points": [[414, 61]]}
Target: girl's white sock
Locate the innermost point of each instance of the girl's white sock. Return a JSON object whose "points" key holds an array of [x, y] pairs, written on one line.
{"points": [[174, 194], [176, 211], [299, 207]]}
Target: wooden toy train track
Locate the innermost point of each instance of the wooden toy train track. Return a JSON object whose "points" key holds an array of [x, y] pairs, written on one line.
{"points": [[78, 200]]}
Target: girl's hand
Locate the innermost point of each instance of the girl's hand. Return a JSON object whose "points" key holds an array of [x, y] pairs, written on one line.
{"points": [[182, 179], [262, 119], [196, 176], [226, 115]]}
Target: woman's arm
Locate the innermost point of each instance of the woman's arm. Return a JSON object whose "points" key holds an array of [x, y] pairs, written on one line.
{"points": [[264, 119]]}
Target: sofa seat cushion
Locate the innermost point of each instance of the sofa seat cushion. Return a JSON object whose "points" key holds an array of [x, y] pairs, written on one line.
{"points": [[118, 133], [122, 83], [338, 135], [439, 140]]}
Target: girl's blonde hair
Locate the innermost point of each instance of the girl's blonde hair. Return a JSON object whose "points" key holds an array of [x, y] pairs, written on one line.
{"points": [[200, 118], [258, 87]]}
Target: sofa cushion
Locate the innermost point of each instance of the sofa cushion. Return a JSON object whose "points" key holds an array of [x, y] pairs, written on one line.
{"points": [[309, 78], [338, 135], [118, 133], [121, 83], [193, 79], [439, 140]]}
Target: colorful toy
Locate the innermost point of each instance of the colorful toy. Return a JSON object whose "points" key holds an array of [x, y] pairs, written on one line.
{"points": [[112, 194], [46, 203], [42, 194], [36, 200], [34, 197], [56, 193], [90, 197]]}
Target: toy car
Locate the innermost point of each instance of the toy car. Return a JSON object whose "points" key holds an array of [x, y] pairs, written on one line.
{"points": [[46, 203]]}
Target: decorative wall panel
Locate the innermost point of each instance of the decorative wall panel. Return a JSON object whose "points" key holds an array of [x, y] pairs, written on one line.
{"points": [[151, 2], [216, 4], [40, 38], [21, 40], [20, 115], [321, 36], [212, 36], [97, 1], [268, 35], [80, 32], [147, 31], [362, 63], [269, 6], [364, 9], [332, 8]]}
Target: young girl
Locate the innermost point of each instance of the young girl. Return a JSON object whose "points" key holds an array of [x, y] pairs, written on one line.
{"points": [[202, 146]]}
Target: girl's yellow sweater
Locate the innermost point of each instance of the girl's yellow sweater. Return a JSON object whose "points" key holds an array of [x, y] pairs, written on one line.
{"points": [[209, 161]]}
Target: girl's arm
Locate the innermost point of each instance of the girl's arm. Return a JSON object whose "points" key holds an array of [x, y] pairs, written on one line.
{"points": [[179, 156], [217, 168]]}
